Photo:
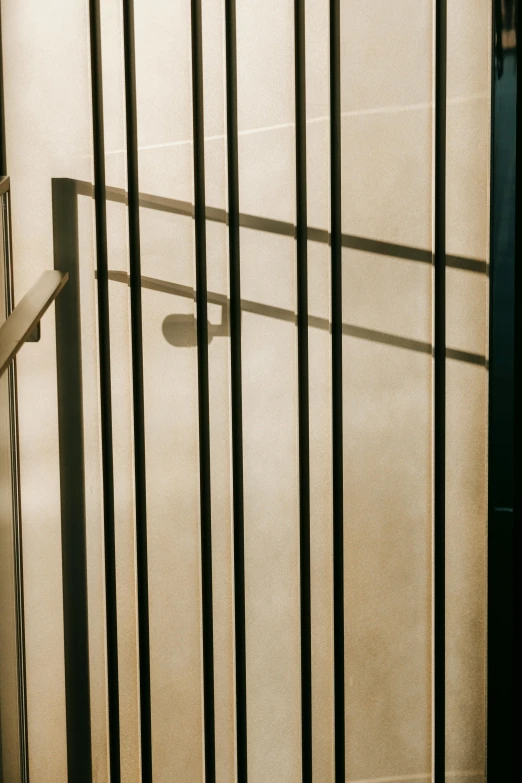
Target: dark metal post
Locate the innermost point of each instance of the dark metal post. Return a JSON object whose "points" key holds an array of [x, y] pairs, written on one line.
{"points": [[203, 386], [236, 390], [303, 388], [111, 609], [137, 387], [15, 472], [440, 395], [72, 486], [337, 387], [504, 457]]}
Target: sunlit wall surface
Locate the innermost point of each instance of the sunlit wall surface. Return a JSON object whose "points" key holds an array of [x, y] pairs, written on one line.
{"points": [[387, 89]]}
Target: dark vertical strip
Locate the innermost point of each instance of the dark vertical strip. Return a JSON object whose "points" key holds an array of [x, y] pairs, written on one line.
{"points": [[440, 394], [504, 409], [236, 390], [105, 392], [72, 484], [137, 388], [203, 386], [303, 388], [337, 387], [517, 461]]}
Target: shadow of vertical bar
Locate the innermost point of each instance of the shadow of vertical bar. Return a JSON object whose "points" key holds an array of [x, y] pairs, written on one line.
{"points": [[72, 487]]}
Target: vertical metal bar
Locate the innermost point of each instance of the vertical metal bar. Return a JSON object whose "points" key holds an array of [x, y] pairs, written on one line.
{"points": [[5, 203], [16, 495], [303, 387], [137, 387], [72, 484], [337, 387], [19, 574], [236, 390], [18, 542], [440, 393], [203, 386], [105, 392]]}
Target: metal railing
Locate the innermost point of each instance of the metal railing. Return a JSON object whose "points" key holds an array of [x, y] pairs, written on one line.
{"points": [[66, 248], [21, 323]]}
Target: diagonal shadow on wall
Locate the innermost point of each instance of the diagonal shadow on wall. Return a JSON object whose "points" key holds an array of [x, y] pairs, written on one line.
{"points": [[184, 328]]}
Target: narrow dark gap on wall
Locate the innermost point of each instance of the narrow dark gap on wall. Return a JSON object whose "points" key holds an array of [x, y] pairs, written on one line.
{"points": [[504, 381]]}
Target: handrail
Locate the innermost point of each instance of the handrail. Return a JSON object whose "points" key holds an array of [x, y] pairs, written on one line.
{"points": [[4, 185], [27, 313]]}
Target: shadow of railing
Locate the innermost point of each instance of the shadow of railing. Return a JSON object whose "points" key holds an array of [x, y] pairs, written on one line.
{"points": [[179, 330], [281, 314], [282, 228]]}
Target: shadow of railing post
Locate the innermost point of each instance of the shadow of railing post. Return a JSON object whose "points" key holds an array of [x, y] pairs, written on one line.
{"points": [[72, 482]]}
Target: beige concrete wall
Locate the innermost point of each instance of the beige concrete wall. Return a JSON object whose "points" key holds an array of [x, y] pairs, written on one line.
{"points": [[387, 189], [48, 129]]}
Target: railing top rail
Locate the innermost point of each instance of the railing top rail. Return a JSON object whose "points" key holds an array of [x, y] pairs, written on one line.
{"points": [[4, 185], [27, 313]]}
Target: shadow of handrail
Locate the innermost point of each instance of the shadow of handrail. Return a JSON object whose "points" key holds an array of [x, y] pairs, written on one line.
{"points": [[282, 228], [405, 252], [282, 314]]}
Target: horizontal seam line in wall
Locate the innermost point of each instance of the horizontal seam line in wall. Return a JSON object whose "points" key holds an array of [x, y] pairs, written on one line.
{"points": [[456, 101]]}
